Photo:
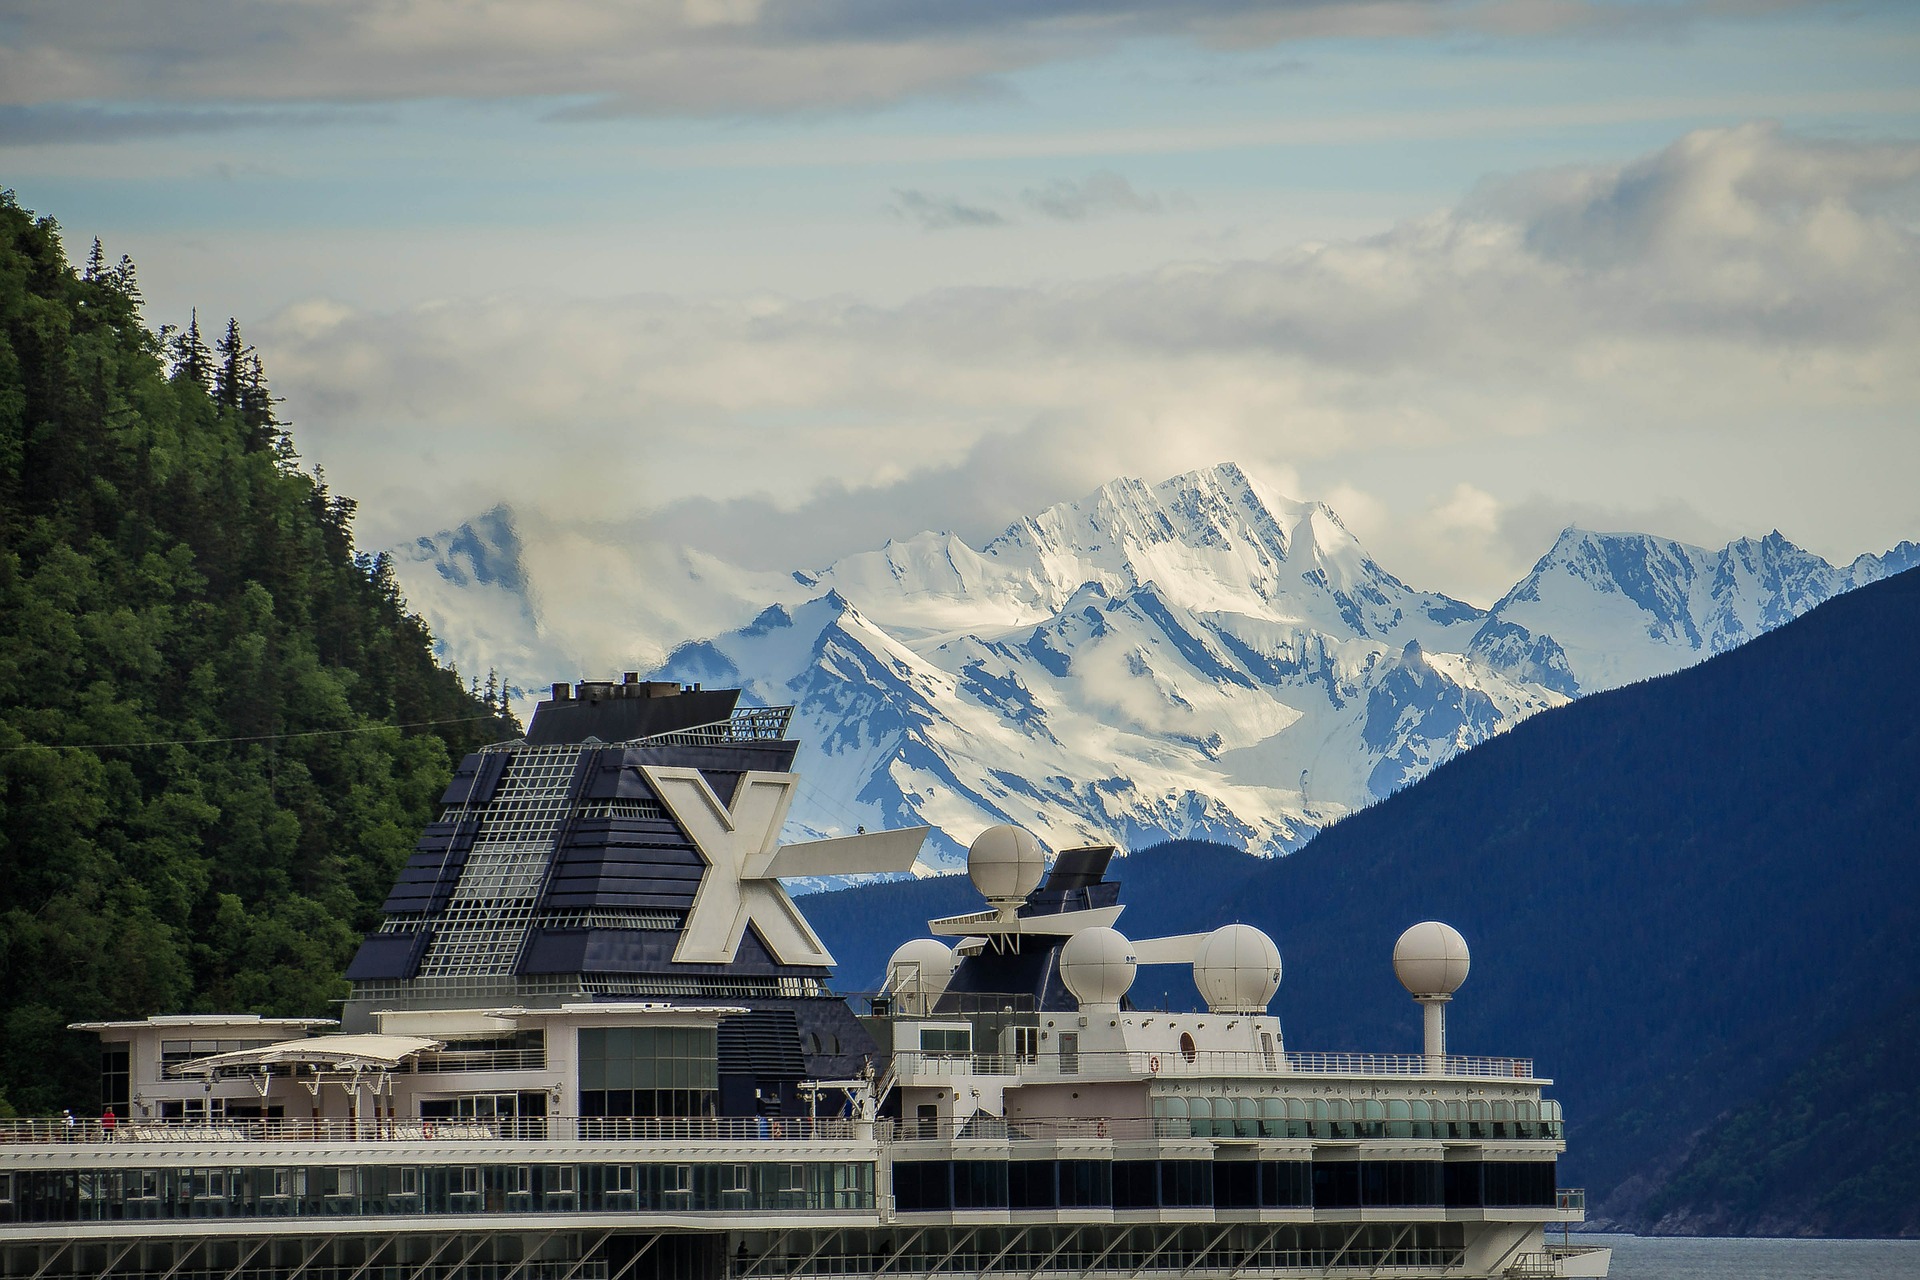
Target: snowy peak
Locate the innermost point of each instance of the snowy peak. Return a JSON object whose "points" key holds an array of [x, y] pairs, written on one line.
{"points": [[1212, 540], [1607, 609], [485, 551]]}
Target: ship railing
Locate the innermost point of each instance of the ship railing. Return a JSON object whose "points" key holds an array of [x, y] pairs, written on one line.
{"points": [[909, 1001], [1572, 1199], [566, 1129], [1409, 1064], [985, 1128], [477, 1060], [1057, 1064], [746, 724]]}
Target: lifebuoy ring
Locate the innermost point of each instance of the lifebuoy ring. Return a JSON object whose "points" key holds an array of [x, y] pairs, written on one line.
{"points": [[1100, 1129], [1153, 1064]]}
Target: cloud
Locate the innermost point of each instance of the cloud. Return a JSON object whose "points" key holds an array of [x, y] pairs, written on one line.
{"points": [[939, 213], [65, 125], [1063, 200], [1732, 315], [1097, 193], [672, 56]]}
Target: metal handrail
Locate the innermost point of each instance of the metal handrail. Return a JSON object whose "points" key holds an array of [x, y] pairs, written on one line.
{"points": [[746, 724], [56, 1131], [477, 1060], [1202, 1062], [688, 1129]]}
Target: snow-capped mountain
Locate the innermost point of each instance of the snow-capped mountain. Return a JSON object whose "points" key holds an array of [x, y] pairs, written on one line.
{"points": [[1200, 657], [1605, 609]]}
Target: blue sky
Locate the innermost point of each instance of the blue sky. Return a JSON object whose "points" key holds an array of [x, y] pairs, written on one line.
{"points": [[845, 269]]}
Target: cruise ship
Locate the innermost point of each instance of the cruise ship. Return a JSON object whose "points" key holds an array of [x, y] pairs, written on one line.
{"points": [[595, 1038]]}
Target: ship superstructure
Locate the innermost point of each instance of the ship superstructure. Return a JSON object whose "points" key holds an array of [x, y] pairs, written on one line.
{"points": [[594, 1037]]}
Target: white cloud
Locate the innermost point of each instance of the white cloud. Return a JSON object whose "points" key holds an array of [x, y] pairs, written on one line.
{"points": [[1739, 309]]}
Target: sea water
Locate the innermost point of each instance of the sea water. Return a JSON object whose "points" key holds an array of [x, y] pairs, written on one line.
{"points": [[1693, 1258]]}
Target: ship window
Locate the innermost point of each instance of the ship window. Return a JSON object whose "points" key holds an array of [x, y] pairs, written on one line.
{"points": [[1186, 1183], [1085, 1184], [6, 1188], [464, 1181], [116, 1078], [921, 1185], [1135, 1184], [409, 1181], [648, 1071], [945, 1040], [1187, 1049], [1286, 1184], [980, 1184], [1236, 1185], [1030, 1184]]}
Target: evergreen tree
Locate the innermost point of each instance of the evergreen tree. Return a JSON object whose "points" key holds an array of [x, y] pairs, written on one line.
{"points": [[168, 584], [191, 358], [230, 372]]}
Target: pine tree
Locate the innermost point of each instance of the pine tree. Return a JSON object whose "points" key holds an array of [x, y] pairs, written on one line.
{"points": [[229, 373], [191, 358]]}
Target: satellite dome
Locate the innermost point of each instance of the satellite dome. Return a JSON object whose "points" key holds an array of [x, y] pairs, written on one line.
{"points": [[1431, 959], [920, 968], [1237, 969], [1005, 864], [1097, 965]]}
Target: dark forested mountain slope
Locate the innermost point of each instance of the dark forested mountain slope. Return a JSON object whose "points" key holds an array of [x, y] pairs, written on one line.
{"points": [[1678, 894], [168, 574]]}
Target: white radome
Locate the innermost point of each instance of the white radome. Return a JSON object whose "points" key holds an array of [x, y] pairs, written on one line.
{"points": [[1431, 959], [1237, 969], [1097, 964], [922, 967], [1005, 864]]}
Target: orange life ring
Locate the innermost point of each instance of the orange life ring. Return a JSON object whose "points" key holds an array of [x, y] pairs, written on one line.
{"points": [[1153, 1063]]}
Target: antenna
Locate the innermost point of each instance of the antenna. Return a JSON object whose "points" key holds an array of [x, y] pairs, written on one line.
{"points": [[1431, 961]]}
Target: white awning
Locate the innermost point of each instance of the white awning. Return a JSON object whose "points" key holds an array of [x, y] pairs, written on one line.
{"points": [[346, 1053]]}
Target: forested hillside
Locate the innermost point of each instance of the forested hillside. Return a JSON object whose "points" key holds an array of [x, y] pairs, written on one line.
{"points": [[220, 728], [1694, 901]]}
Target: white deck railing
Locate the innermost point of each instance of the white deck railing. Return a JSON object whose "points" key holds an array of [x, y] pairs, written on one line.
{"points": [[568, 1129], [1203, 1062]]}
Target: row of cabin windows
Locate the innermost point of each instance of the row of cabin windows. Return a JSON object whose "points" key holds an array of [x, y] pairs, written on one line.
{"points": [[309, 1191], [922, 1185], [1466, 1119]]}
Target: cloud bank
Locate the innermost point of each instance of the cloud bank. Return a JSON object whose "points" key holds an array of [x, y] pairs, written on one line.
{"points": [[1743, 303], [613, 57]]}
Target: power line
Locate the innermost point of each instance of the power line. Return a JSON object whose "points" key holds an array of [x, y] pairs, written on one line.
{"points": [[257, 737]]}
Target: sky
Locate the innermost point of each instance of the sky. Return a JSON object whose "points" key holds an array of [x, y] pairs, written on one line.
{"points": [[779, 281]]}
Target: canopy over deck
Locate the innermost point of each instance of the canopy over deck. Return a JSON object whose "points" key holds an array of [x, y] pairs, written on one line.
{"points": [[340, 1053]]}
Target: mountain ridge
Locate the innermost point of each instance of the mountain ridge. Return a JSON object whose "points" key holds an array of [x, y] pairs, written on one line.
{"points": [[1198, 658]]}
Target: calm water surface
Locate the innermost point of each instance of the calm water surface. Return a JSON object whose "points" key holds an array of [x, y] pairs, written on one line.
{"points": [[1676, 1258]]}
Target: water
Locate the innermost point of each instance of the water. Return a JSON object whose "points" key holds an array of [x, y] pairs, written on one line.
{"points": [[1691, 1258]]}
